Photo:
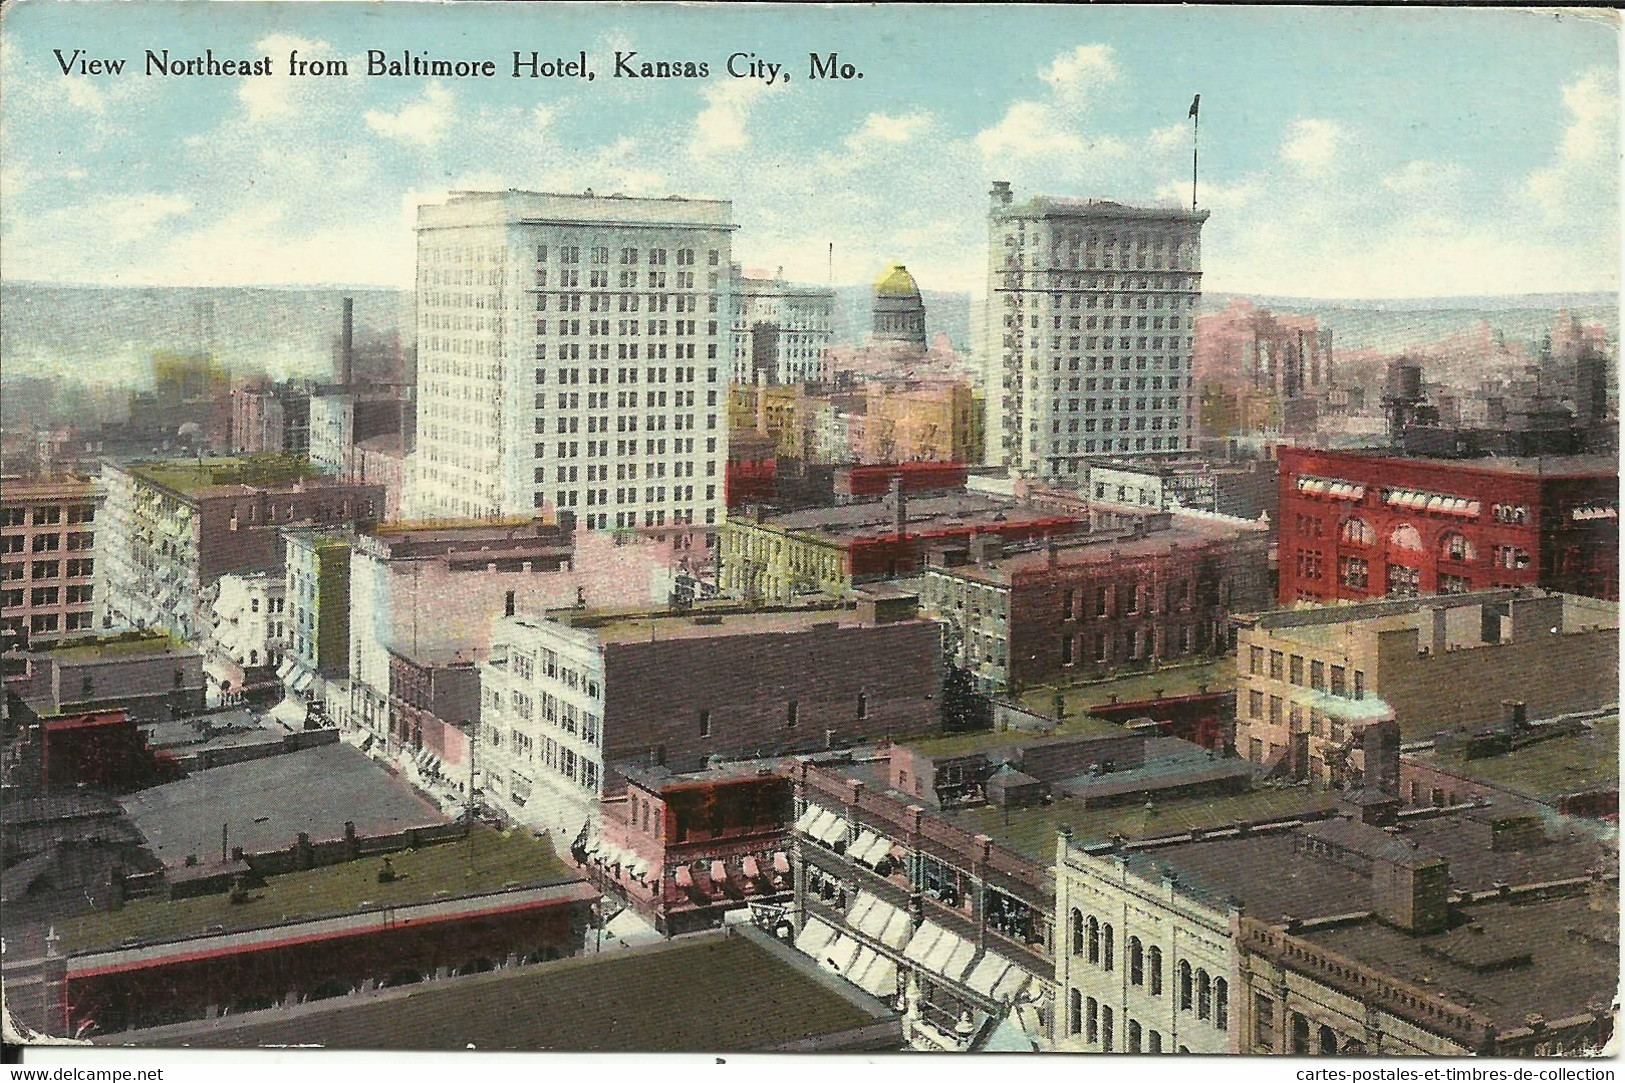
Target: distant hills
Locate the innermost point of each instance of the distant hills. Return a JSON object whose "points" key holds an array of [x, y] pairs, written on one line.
{"points": [[107, 333]]}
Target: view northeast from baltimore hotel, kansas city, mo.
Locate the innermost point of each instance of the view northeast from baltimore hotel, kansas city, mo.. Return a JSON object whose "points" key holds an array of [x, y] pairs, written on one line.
{"points": [[794, 529]]}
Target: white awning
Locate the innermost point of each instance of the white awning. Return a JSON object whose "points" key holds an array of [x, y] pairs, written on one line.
{"points": [[1010, 986], [988, 972], [781, 863], [829, 830], [819, 823], [719, 873], [284, 669], [878, 974], [684, 876], [839, 954], [960, 961], [807, 818], [925, 938], [302, 681], [749, 864], [813, 937], [860, 847]]}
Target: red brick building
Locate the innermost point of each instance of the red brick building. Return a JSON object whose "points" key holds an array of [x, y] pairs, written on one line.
{"points": [[1088, 606], [1358, 525], [683, 850]]}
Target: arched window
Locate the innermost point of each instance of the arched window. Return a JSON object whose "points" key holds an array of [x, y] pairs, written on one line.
{"points": [[1076, 1020], [1105, 1028], [1077, 931], [1092, 938], [1455, 546], [1358, 532], [1300, 1034], [1154, 1041], [1108, 953], [1328, 1041], [1405, 536], [1204, 995], [1153, 963], [1091, 1020], [1221, 1004], [1136, 962], [1133, 1036], [1184, 986]]}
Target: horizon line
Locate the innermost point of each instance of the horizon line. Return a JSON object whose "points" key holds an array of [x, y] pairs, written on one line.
{"points": [[339, 286]]}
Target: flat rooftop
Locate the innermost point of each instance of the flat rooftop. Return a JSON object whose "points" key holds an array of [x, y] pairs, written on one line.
{"points": [[1508, 959], [264, 804], [1544, 770], [946, 512], [719, 994], [193, 478], [116, 648], [487, 861], [1031, 831], [1555, 465], [1082, 550], [611, 627], [1306, 885], [973, 741], [1218, 675]]}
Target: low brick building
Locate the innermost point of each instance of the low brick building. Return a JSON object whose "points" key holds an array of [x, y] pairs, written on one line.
{"points": [[684, 849], [1309, 681], [1094, 605]]}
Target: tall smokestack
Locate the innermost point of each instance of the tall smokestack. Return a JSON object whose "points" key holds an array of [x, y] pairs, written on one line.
{"points": [[347, 344], [899, 504]]}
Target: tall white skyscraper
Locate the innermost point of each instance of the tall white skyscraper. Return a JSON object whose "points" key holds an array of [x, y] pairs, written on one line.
{"points": [[573, 352], [1089, 331]]}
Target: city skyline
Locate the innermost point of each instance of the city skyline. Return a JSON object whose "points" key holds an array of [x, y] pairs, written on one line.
{"points": [[1495, 177]]}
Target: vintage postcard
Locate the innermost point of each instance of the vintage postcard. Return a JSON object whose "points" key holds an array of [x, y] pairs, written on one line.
{"points": [[659, 528]]}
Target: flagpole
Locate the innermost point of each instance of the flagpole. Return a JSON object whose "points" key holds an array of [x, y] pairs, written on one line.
{"points": [[1196, 142]]}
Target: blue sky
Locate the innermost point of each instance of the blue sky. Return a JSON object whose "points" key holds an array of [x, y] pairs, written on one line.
{"points": [[1345, 153]]}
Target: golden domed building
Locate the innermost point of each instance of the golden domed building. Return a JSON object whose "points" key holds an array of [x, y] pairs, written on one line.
{"points": [[899, 318]]}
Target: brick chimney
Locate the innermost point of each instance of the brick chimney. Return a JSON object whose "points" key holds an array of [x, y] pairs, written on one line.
{"points": [[899, 506]]}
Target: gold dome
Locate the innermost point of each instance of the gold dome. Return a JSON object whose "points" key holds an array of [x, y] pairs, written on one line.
{"points": [[896, 282]]}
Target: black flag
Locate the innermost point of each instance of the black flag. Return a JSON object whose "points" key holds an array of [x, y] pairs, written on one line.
{"points": [[1196, 106]]}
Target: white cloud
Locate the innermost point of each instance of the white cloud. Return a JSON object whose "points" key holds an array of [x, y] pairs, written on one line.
{"points": [[282, 97], [1172, 138], [1586, 156], [132, 217], [1424, 178], [720, 126], [1076, 75], [883, 128], [422, 123], [1028, 129], [1312, 145], [83, 94]]}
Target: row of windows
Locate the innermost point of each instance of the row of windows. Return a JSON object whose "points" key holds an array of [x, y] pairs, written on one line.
{"points": [[48, 515], [600, 254], [82, 568]]}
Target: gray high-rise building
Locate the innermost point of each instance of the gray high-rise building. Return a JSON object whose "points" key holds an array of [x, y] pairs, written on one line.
{"points": [[573, 353], [1089, 332]]}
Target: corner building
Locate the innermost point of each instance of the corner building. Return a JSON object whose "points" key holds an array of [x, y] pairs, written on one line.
{"points": [[573, 353], [1090, 331]]}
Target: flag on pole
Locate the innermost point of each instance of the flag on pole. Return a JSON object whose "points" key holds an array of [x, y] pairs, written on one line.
{"points": [[1196, 107]]}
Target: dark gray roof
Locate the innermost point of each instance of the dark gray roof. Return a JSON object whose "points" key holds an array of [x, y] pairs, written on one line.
{"points": [[265, 803]]}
